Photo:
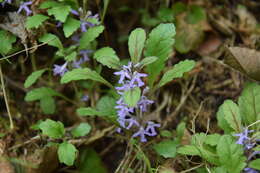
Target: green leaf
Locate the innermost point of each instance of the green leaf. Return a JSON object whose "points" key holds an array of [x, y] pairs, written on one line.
{"points": [[39, 93], [81, 74], [212, 139], [232, 115], [136, 44], [88, 111], [60, 12], [33, 78], [52, 128], [160, 44], [148, 60], [47, 105], [177, 71], [255, 164], [178, 8], [198, 140], [219, 170], [222, 122], [132, 96], [67, 153], [189, 150], [106, 106], [107, 56], [48, 4], [70, 26], [230, 154], [89, 161], [165, 15], [89, 36], [180, 130], [71, 57], [7, 39], [35, 21], [51, 40], [195, 14], [249, 103], [166, 148], [166, 133], [81, 130]]}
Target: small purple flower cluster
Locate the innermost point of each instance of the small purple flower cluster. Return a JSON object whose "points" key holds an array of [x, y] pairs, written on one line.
{"points": [[62, 69], [130, 79], [85, 23], [248, 144], [25, 6], [244, 139]]}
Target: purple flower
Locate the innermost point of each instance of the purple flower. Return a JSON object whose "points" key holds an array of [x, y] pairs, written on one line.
{"points": [[123, 75], [141, 132], [144, 103], [250, 170], [87, 24], [75, 12], [84, 98], [130, 122], [24, 6], [75, 38], [84, 25], [60, 69], [76, 64], [244, 139], [150, 129], [6, 1], [59, 24], [136, 78], [130, 79], [85, 54]]}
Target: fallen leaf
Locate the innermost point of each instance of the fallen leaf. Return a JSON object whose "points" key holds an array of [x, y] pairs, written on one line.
{"points": [[245, 60]]}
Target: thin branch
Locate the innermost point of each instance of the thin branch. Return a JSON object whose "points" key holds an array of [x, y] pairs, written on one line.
{"points": [[5, 97]]}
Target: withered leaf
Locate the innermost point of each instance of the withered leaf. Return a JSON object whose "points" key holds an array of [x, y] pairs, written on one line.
{"points": [[245, 60], [15, 23]]}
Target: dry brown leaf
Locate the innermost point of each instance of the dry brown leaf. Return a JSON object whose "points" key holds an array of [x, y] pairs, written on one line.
{"points": [[245, 60]]}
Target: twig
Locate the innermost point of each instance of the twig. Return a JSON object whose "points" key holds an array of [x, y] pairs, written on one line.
{"points": [[25, 50], [5, 97], [182, 101], [33, 139]]}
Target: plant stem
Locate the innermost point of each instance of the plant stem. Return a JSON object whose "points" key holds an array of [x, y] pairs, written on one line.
{"points": [[34, 67], [5, 97]]}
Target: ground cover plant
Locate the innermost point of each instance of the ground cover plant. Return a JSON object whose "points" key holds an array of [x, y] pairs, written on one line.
{"points": [[126, 87]]}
